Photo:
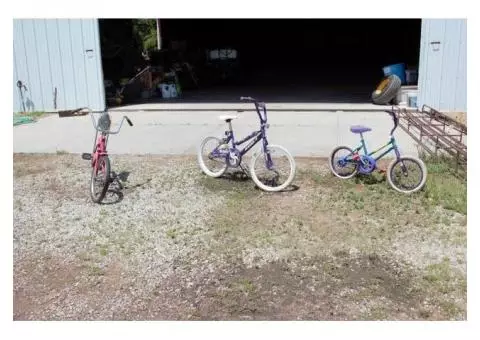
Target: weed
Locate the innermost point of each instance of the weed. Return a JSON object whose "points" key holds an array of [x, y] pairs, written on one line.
{"points": [[96, 271], [172, 233], [103, 250], [246, 286]]}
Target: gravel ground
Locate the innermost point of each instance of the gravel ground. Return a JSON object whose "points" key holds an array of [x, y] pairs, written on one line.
{"points": [[174, 244]]}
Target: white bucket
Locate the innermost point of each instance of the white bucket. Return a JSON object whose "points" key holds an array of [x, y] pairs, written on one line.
{"points": [[168, 91]]}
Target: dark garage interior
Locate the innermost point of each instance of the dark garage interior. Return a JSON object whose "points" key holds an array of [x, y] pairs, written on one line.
{"points": [[286, 60]]}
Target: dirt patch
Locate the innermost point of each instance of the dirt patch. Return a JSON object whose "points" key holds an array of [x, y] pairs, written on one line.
{"points": [[341, 288]]}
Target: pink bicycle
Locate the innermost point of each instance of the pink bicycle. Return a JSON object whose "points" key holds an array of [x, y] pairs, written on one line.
{"points": [[101, 174]]}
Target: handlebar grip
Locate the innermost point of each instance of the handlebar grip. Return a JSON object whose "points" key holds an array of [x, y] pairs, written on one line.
{"points": [[128, 121]]}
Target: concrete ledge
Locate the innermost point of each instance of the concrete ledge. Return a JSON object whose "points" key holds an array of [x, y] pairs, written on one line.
{"points": [[249, 107]]}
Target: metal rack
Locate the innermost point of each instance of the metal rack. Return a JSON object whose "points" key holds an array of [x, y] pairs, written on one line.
{"points": [[437, 134]]}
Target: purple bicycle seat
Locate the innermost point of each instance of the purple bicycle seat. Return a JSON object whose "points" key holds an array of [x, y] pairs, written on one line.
{"points": [[359, 129]]}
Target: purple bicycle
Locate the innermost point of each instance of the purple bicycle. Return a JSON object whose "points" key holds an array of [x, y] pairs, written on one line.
{"points": [[272, 168], [406, 174]]}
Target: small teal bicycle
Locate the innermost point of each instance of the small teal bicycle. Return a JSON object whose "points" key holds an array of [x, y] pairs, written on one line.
{"points": [[406, 174]]}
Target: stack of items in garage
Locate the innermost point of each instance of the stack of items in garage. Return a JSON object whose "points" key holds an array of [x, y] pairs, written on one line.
{"points": [[398, 87], [169, 86]]}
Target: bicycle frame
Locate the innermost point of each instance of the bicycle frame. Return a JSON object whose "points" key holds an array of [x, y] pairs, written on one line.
{"points": [[254, 138], [392, 144], [99, 149]]}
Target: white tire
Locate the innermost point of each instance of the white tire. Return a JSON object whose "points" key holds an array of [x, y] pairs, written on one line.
{"points": [[422, 167], [202, 154], [272, 148]]}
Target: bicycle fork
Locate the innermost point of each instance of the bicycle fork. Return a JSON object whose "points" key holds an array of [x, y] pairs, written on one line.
{"points": [[397, 154]]}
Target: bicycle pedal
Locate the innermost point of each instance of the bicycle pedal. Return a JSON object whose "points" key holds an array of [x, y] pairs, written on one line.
{"points": [[87, 156]]}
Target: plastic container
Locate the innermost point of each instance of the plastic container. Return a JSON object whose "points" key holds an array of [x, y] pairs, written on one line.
{"points": [[169, 91], [412, 101], [405, 92], [397, 69]]}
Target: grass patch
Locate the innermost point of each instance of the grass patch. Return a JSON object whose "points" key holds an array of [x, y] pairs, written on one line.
{"points": [[103, 250], [439, 271], [33, 114], [444, 187], [245, 286], [440, 278], [446, 191], [450, 308]]}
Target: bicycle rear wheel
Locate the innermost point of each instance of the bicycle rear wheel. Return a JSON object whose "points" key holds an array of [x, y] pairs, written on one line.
{"points": [[100, 179], [341, 162], [212, 164], [273, 170]]}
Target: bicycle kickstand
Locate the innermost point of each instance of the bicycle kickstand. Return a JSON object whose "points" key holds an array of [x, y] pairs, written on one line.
{"points": [[245, 170], [114, 178]]}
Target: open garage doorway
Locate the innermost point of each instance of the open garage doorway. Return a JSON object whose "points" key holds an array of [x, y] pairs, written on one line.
{"points": [[290, 60]]}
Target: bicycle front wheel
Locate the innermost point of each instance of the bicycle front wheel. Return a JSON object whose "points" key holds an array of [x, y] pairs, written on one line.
{"points": [[274, 169], [407, 174], [100, 179]]}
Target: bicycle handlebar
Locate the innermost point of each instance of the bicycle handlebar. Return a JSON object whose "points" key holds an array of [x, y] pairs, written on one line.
{"points": [[395, 119], [109, 132], [256, 102], [258, 106], [248, 98]]}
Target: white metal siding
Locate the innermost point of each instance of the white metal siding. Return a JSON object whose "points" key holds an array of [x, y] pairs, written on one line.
{"points": [[61, 54], [442, 82]]}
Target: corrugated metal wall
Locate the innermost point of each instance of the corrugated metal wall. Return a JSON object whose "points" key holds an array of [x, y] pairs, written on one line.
{"points": [[59, 62], [442, 82]]}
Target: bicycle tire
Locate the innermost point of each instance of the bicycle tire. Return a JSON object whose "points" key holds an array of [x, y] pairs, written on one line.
{"points": [[386, 90], [281, 187], [422, 167], [106, 179]]}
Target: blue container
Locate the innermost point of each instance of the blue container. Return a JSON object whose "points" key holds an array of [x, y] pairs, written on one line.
{"points": [[396, 69]]}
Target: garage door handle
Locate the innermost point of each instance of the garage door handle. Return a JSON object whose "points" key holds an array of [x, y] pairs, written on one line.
{"points": [[435, 45], [89, 53]]}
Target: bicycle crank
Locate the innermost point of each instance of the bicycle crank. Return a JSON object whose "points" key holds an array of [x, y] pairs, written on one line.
{"points": [[234, 158]]}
